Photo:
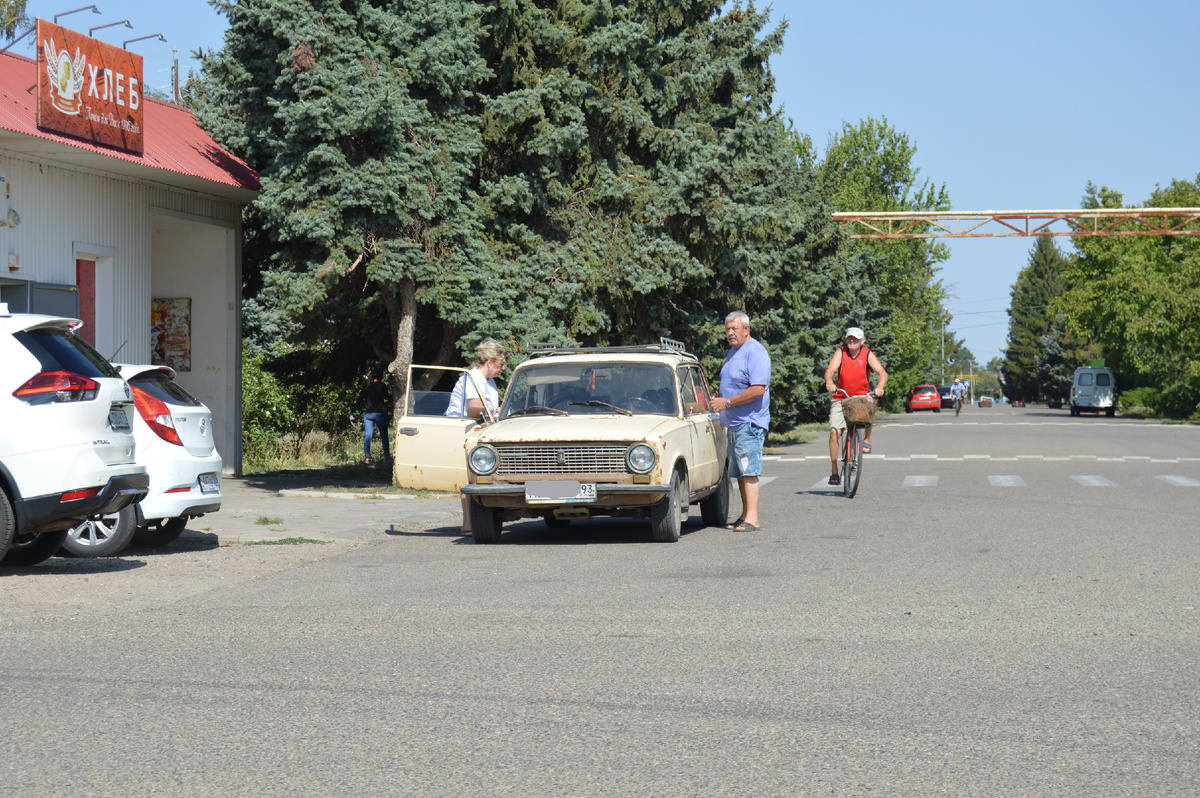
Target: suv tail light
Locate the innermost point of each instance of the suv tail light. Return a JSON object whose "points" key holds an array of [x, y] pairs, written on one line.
{"points": [[157, 415], [56, 386]]}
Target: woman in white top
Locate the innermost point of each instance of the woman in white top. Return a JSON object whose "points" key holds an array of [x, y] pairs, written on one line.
{"points": [[490, 359]]}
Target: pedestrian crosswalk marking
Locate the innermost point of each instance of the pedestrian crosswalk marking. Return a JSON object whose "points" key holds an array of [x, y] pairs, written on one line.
{"points": [[1011, 481], [1089, 481], [1178, 481]]}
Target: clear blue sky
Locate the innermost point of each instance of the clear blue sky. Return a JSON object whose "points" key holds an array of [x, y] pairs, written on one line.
{"points": [[1013, 105]]}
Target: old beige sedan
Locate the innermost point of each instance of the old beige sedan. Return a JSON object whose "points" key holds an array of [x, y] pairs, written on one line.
{"points": [[582, 432]]}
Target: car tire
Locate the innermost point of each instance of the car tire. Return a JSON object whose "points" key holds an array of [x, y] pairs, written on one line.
{"points": [[556, 523], [667, 514], [714, 510], [158, 532], [33, 549], [937, 409], [102, 535], [908, 408], [8, 524], [1110, 412], [485, 522]]}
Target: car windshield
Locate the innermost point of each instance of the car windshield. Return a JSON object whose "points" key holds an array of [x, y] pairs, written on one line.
{"points": [[595, 387]]}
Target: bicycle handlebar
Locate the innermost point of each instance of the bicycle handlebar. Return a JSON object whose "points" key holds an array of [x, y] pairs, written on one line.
{"points": [[847, 393]]}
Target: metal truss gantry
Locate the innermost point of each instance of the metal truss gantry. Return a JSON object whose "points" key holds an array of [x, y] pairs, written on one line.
{"points": [[1004, 224]]}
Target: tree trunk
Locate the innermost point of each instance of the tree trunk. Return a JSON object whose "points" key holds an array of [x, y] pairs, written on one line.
{"points": [[401, 304]]}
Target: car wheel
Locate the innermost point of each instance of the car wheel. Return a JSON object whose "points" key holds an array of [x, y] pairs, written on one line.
{"points": [[8, 524], [937, 409], [102, 535], [554, 523], [485, 522], [1110, 412], [908, 408], [667, 514], [158, 532], [33, 549], [714, 510]]}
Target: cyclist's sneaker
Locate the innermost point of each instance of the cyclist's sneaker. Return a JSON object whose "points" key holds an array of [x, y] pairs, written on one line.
{"points": [[835, 479]]}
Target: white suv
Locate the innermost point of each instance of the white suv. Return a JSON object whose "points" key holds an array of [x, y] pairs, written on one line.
{"points": [[66, 442]]}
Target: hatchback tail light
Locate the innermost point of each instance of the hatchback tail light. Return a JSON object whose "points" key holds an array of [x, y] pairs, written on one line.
{"points": [[157, 415], [48, 387]]}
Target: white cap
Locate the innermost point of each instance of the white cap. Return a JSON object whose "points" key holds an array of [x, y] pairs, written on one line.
{"points": [[956, 379], [856, 332]]}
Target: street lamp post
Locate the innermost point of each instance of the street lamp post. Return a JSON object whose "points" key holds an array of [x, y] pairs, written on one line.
{"points": [[125, 22], [159, 36], [74, 10]]}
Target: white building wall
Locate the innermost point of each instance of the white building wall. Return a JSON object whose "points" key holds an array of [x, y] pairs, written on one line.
{"points": [[149, 240]]}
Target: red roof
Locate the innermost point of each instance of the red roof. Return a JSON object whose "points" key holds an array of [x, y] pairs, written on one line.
{"points": [[177, 151]]}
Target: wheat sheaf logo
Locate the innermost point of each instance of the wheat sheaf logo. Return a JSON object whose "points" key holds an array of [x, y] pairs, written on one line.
{"points": [[66, 77]]}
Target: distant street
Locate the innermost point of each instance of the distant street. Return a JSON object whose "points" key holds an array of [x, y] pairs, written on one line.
{"points": [[1009, 607]]}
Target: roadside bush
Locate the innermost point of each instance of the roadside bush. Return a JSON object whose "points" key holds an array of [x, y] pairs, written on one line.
{"points": [[300, 408], [1140, 402], [1181, 399], [267, 409]]}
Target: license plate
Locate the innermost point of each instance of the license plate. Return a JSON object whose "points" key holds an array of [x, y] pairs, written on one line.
{"points": [[559, 491], [210, 483], [118, 420]]}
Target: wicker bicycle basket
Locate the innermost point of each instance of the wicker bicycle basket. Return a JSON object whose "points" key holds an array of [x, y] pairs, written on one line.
{"points": [[859, 409]]}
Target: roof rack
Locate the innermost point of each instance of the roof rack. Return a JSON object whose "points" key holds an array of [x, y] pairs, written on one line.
{"points": [[664, 346]]}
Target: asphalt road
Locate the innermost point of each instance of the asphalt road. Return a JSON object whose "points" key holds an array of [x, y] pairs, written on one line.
{"points": [[1007, 608]]}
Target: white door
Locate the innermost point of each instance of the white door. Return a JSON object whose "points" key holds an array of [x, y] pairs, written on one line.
{"points": [[430, 453]]}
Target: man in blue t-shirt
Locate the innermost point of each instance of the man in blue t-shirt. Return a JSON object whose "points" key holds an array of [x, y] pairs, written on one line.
{"points": [[745, 405]]}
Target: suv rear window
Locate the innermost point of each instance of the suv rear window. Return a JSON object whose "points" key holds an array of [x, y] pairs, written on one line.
{"points": [[163, 388], [59, 350], [1102, 380]]}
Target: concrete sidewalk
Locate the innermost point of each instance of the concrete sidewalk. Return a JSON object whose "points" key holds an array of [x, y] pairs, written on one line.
{"points": [[270, 508]]}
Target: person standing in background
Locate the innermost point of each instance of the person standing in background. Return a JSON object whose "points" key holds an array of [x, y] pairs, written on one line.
{"points": [[375, 415]]}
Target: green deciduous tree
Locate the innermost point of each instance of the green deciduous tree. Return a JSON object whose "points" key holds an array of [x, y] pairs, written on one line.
{"points": [[1138, 299], [12, 16], [871, 166]]}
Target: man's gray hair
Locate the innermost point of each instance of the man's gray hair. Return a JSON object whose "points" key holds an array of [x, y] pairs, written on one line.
{"points": [[740, 316]]}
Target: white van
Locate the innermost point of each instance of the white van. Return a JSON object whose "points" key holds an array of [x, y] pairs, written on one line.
{"points": [[1093, 388]]}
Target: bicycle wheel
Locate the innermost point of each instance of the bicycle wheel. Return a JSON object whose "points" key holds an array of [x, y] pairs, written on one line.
{"points": [[852, 461]]}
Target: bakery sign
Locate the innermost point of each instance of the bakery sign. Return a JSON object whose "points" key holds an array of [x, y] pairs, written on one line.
{"points": [[88, 89]]}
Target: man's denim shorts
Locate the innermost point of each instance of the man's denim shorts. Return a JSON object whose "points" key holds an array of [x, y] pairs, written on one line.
{"points": [[746, 450]]}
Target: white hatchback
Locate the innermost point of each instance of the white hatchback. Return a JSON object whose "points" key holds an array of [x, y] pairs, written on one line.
{"points": [[67, 450], [175, 443]]}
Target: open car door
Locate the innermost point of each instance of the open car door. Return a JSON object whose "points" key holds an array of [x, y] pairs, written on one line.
{"points": [[430, 446]]}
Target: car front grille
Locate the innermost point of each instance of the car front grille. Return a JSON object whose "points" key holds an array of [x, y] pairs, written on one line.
{"points": [[568, 459]]}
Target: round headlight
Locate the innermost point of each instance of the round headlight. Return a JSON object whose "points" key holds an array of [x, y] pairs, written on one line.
{"points": [[483, 459], [640, 458]]}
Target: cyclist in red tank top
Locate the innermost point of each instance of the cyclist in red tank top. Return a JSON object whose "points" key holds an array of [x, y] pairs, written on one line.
{"points": [[849, 369]]}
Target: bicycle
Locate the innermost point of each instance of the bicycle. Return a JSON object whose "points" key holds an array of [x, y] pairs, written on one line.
{"points": [[859, 412], [958, 406]]}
